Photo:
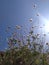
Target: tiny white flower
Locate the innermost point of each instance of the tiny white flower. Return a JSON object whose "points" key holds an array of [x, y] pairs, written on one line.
{"points": [[34, 6], [30, 20], [18, 27], [38, 14]]}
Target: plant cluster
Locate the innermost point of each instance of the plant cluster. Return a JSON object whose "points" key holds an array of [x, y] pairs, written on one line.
{"points": [[24, 50]]}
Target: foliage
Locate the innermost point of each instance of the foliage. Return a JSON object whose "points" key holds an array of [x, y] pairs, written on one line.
{"points": [[19, 53]]}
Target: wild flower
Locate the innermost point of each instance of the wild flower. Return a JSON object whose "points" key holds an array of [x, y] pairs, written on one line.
{"points": [[44, 34], [30, 20], [32, 26], [18, 27], [38, 14], [47, 43], [41, 27], [31, 32], [38, 34], [34, 6], [21, 62], [33, 37], [14, 34], [8, 28]]}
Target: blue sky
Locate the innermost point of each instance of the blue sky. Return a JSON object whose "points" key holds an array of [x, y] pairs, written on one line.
{"points": [[18, 12]]}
